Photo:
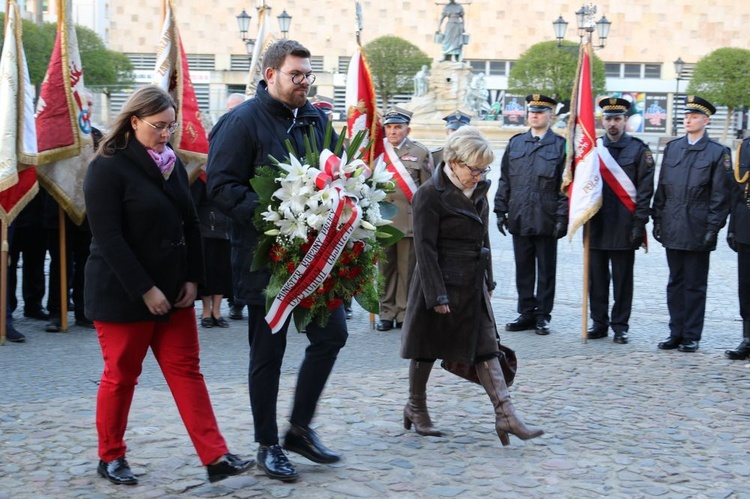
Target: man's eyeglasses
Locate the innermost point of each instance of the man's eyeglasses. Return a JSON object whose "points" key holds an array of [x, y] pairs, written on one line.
{"points": [[160, 128], [476, 172], [298, 77]]}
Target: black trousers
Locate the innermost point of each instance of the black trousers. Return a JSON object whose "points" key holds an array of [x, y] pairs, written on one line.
{"points": [[743, 279], [536, 264], [77, 254], [31, 242], [686, 293], [266, 356], [621, 274]]}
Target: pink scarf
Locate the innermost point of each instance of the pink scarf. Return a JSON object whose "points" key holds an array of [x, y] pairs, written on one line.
{"points": [[165, 160]]}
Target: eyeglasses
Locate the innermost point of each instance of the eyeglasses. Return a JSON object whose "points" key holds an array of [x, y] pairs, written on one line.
{"points": [[160, 128], [298, 77], [476, 172]]}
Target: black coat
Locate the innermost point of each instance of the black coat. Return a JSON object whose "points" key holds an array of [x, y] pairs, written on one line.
{"points": [[739, 221], [214, 223], [450, 231], [692, 195], [145, 233], [613, 223], [241, 141], [529, 187]]}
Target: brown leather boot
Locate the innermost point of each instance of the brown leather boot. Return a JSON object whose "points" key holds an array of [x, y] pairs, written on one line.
{"points": [[743, 351], [415, 411], [506, 421]]}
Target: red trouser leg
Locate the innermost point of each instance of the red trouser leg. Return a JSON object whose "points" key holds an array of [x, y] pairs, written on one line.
{"points": [[176, 349], [124, 346]]}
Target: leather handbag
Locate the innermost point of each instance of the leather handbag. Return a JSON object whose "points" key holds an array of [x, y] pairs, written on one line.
{"points": [[508, 362]]}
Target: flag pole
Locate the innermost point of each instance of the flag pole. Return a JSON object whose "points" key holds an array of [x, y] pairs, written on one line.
{"points": [[4, 279], [63, 272]]}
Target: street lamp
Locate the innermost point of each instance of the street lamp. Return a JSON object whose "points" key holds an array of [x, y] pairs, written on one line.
{"points": [[586, 27], [284, 21], [679, 65], [243, 22]]}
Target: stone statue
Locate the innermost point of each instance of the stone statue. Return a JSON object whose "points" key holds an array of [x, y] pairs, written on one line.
{"points": [[476, 95], [421, 80], [453, 36]]}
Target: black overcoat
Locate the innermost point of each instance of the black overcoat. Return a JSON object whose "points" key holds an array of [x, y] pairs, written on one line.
{"points": [[145, 233], [739, 222], [450, 231]]}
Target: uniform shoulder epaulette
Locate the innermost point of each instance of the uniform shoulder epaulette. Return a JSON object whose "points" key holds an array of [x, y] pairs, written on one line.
{"points": [[516, 135], [421, 146]]}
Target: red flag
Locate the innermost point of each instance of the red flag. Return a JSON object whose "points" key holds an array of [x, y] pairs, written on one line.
{"points": [[172, 74], [62, 122], [582, 181], [18, 151], [361, 106]]}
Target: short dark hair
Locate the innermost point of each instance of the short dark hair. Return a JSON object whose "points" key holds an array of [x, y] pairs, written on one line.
{"points": [[276, 53]]}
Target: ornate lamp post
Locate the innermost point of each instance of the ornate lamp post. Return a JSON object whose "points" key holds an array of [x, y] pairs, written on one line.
{"points": [[285, 20], [586, 27], [243, 23], [679, 65]]}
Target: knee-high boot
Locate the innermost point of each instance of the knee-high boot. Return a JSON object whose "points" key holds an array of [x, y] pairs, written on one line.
{"points": [[506, 421], [743, 351], [415, 411]]}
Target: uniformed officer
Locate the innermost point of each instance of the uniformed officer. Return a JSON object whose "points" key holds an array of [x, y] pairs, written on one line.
{"points": [[531, 206], [690, 207], [618, 228], [453, 122], [411, 164], [738, 238]]}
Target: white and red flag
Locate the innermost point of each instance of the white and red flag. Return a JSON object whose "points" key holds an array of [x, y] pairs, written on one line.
{"points": [[361, 106], [582, 180], [18, 147], [172, 74], [265, 39], [62, 121]]}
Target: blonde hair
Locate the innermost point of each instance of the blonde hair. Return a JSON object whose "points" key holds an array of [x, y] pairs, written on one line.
{"points": [[467, 145], [145, 101]]}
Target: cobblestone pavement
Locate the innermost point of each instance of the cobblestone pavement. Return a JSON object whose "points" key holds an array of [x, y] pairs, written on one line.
{"points": [[620, 420]]}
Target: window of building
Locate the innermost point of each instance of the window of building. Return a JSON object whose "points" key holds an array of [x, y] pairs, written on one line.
{"points": [[632, 70], [652, 71], [497, 68], [239, 63], [143, 61], [201, 62], [344, 64], [612, 70], [316, 62]]}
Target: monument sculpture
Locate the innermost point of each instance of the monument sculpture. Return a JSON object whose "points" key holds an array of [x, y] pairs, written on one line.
{"points": [[421, 81], [453, 38]]}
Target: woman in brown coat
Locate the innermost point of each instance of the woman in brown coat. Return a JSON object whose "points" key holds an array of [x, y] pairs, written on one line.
{"points": [[449, 314]]}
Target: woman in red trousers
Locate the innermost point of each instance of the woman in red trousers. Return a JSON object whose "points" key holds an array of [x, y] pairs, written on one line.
{"points": [[141, 281]]}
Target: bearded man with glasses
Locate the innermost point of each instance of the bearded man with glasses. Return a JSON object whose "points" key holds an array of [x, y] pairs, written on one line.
{"points": [[240, 142]]}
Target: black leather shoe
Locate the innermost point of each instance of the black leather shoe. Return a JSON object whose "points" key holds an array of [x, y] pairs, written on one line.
{"points": [[384, 325], [621, 337], [349, 312], [304, 442], [12, 335], [399, 325], [54, 326], [542, 327], [274, 463], [740, 353], [38, 314], [595, 332], [117, 472], [235, 312], [84, 322], [220, 322], [229, 465], [522, 323], [670, 343], [689, 346]]}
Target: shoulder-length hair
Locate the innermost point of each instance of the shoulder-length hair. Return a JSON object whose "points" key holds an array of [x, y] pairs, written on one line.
{"points": [[145, 101]]}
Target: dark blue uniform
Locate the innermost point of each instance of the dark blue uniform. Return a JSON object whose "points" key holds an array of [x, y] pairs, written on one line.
{"points": [[611, 228], [691, 200], [529, 193]]}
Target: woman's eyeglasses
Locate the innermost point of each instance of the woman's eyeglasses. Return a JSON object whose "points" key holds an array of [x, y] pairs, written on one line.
{"points": [[160, 128], [476, 172]]}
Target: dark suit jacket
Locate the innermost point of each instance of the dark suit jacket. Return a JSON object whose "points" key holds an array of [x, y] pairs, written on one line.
{"points": [[145, 233]]}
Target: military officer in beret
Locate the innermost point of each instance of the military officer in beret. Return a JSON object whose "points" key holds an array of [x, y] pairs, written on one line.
{"points": [[453, 122], [411, 164], [618, 228], [738, 238], [690, 207], [531, 206]]}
